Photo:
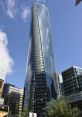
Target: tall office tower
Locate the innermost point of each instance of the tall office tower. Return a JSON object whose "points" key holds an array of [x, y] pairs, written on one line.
{"points": [[39, 85], [13, 97]]}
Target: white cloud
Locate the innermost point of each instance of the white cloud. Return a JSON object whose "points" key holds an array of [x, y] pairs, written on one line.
{"points": [[11, 8], [25, 13], [6, 62]]}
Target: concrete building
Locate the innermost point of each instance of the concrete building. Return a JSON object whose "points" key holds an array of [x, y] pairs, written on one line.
{"points": [[2, 79], [71, 78], [58, 83], [72, 85], [13, 97], [1, 87], [3, 110]]}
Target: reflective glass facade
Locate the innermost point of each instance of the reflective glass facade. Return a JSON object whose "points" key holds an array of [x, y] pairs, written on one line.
{"points": [[72, 80], [39, 84]]}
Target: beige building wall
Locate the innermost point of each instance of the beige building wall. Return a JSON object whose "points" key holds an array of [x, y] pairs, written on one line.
{"points": [[1, 87]]}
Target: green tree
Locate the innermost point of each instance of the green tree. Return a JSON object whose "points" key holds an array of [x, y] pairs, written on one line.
{"points": [[60, 108], [25, 113]]}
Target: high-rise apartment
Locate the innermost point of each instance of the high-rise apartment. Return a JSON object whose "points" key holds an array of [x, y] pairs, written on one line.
{"points": [[13, 97], [2, 78], [39, 84]]}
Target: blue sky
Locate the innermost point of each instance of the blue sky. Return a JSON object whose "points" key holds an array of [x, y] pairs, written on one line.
{"points": [[66, 23]]}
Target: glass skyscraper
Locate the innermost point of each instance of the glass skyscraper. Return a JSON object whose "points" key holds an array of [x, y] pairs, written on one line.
{"points": [[39, 84]]}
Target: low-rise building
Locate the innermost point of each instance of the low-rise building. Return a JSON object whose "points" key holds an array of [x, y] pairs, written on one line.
{"points": [[58, 82], [72, 85], [13, 97], [72, 80]]}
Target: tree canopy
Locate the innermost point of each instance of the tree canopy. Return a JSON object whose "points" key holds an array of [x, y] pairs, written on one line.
{"points": [[25, 113], [60, 108]]}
